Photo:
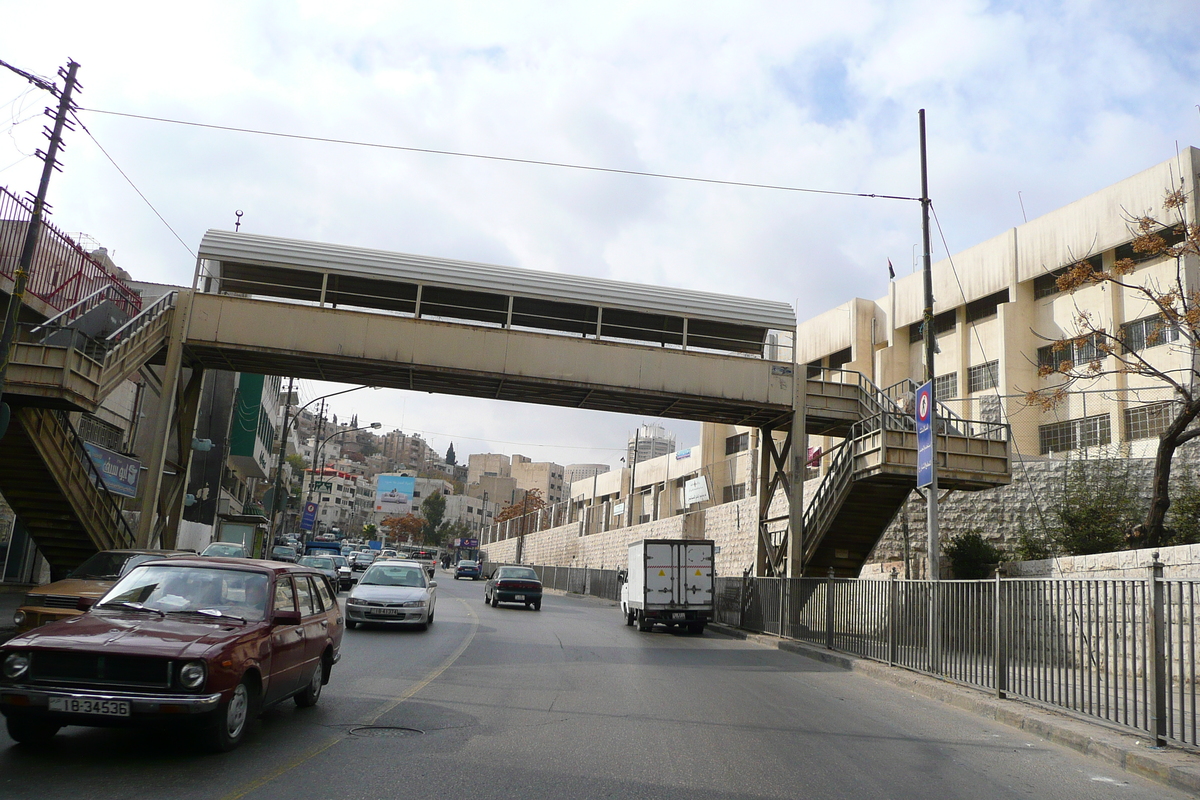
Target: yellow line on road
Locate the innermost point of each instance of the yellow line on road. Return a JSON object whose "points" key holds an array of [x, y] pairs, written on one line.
{"points": [[263, 780]]}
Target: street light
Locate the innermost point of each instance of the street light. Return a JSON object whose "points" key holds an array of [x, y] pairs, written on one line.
{"points": [[287, 424], [321, 445]]}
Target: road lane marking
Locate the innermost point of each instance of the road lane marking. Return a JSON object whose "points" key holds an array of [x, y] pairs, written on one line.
{"points": [[263, 780]]}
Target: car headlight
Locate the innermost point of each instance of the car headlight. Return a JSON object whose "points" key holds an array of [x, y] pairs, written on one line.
{"points": [[15, 665], [192, 675], [413, 604], [18, 618], [354, 601]]}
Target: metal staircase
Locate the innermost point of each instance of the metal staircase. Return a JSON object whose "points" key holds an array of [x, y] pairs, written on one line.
{"points": [[56, 490], [872, 472]]}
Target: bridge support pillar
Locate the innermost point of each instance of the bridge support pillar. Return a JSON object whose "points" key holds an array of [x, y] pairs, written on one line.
{"points": [[781, 494]]}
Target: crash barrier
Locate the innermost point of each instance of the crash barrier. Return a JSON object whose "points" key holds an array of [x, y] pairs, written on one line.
{"points": [[1122, 651]]}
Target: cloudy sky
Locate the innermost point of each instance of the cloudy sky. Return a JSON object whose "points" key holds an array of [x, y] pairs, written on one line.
{"points": [[1032, 104]]}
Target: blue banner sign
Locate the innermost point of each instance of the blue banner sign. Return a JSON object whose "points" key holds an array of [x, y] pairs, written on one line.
{"points": [[925, 414], [309, 516], [470, 544], [119, 473]]}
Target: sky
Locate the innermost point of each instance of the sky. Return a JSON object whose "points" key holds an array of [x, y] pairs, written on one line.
{"points": [[1029, 106]]}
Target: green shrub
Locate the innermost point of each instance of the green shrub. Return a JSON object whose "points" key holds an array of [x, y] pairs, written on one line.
{"points": [[1033, 546], [1100, 505], [1183, 519], [972, 556]]}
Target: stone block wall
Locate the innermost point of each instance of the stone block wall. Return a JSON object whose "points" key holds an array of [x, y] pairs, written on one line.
{"points": [[1180, 563]]}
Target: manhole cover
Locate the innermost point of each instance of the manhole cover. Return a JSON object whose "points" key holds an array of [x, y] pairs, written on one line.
{"points": [[385, 730]]}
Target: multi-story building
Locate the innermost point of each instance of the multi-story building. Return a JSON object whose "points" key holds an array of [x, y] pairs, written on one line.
{"points": [[545, 476], [650, 441], [998, 309], [488, 465], [573, 473]]}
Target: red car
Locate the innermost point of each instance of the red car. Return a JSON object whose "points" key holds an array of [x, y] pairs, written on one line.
{"points": [[199, 642]]}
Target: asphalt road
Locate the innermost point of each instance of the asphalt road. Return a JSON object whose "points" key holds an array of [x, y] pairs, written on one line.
{"points": [[569, 703]]}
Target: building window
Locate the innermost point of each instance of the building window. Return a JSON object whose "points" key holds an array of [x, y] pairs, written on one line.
{"points": [[1149, 421], [839, 358], [735, 492], [983, 376], [97, 431], [942, 323], [986, 307], [945, 386], [738, 443], [814, 369], [1046, 285], [1074, 352], [1148, 332], [1170, 236], [1059, 437]]}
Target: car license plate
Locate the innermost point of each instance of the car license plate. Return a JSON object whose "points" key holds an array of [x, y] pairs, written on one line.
{"points": [[518, 597], [678, 615], [386, 612], [88, 705]]}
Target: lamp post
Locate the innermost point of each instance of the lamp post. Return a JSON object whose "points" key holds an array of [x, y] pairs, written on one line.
{"points": [[287, 424], [317, 456]]}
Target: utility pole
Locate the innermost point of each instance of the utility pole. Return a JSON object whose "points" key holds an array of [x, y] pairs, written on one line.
{"points": [[930, 347], [275, 497], [65, 106]]}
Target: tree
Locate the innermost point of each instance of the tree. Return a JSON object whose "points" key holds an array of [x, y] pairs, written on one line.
{"points": [[1092, 351], [451, 459], [972, 556], [403, 529], [433, 509], [298, 462], [531, 502]]}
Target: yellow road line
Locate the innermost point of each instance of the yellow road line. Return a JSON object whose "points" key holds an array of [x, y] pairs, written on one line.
{"points": [[263, 780]]}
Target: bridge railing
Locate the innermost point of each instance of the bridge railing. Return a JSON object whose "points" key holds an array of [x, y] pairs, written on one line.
{"points": [[1121, 651]]}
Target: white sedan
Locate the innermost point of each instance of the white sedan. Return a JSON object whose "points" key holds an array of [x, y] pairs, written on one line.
{"points": [[392, 593]]}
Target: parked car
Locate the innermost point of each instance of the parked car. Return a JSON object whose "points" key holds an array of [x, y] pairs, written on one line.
{"points": [[392, 593], [204, 643], [285, 553], [514, 585], [322, 564], [87, 583], [345, 574], [467, 569], [225, 550]]}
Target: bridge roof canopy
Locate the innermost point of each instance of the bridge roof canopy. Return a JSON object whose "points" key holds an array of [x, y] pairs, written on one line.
{"points": [[446, 289]]}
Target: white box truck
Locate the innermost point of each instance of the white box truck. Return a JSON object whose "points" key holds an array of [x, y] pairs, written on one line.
{"points": [[669, 582]]}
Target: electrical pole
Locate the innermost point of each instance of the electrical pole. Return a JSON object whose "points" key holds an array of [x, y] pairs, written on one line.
{"points": [[930, 347], [275, 497], [65, 106]]}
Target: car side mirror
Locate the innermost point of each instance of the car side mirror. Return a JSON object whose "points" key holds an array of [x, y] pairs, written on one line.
{"points": [[286, 618], [85, 603], [433, 584]]}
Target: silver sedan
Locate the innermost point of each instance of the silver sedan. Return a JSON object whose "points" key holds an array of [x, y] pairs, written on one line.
{"points": [[392, 593]]}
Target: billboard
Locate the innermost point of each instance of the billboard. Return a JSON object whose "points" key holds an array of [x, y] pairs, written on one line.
{"points": [[119, 473], [394, 494]]}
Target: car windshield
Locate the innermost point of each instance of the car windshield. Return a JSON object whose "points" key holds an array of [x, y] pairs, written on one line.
{"points": [[102, 566], [393, 574], [467, 564], [524, 573], [368, 556], [283, 551], [316, 562], [340, 561], [214, 592], [224, 549]]}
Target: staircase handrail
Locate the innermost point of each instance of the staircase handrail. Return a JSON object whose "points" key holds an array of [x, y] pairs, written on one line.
{"points": [[69, 313], [124, 536], [145, 315]]}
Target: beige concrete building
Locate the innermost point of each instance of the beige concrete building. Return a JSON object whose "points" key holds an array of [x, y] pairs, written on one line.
{"points": [[545, 476]]}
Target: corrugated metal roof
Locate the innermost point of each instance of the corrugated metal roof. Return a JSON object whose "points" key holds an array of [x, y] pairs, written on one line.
{"points": [[294, 254]]}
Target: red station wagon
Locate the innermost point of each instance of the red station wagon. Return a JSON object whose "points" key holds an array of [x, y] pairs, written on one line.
{"points": [[199, 642]]}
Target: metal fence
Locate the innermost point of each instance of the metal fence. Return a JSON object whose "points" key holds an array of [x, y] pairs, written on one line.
{"points": [[1123, 651]]}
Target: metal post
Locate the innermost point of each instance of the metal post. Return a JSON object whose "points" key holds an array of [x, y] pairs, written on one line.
{"points": [[893, 608], [930, 346], [287, 407], [1157, 645], [1000, 643], [829, 610]]}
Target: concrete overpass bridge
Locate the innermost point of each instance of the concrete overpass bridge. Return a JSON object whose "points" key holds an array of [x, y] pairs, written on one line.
{"points": [[308, 310]]}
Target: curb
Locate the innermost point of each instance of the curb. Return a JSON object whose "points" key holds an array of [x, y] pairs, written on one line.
{"points": [[1178, 769]]}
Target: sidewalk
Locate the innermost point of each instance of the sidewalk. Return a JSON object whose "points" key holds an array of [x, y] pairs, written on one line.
{"points": [[1173, 767]]}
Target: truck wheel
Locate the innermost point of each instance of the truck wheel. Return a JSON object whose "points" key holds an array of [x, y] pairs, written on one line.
{"points": [[696, 628], [629, 616], [643, 624]]}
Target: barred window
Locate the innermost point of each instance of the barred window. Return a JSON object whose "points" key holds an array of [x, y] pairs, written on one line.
{"points": [[1148, 421], [942, 323], [96, 431], [737, 443], [1148, 331], [983, 376], [1072, 434], [1046, 285], [735, 492], [986, 307], [945, 386], [1169, 235], [1075, 353]]}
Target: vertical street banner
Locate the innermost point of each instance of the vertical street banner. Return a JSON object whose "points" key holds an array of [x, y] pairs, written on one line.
{"points": [[925, 413], [309, 517]]}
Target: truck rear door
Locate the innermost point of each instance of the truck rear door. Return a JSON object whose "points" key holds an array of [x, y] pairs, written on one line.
{"points": [[696, 576], [662, 572]]}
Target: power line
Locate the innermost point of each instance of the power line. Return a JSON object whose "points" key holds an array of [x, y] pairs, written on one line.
{"points": [[510, 159]]}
